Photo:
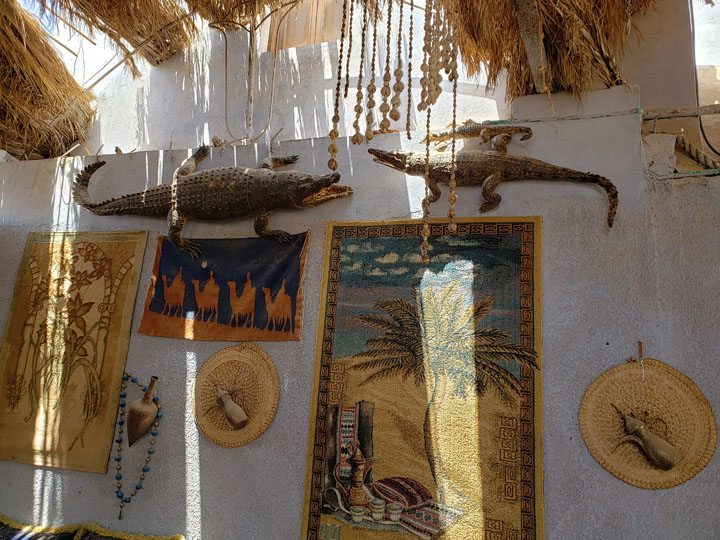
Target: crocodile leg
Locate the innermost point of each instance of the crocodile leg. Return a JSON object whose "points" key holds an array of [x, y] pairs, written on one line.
{"points": [[435, 192], [176, 222], [264, 231], [492, 199]]}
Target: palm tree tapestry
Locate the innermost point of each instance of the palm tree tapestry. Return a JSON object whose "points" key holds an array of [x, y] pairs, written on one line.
{"points": [[426, 405]]}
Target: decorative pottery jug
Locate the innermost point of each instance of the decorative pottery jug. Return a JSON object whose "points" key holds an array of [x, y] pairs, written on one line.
{"points": [[659, 451], [234, 413], [142, 413]]}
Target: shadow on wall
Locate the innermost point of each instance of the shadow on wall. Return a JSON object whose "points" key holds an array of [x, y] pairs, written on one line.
{"points": [[182, 103]]}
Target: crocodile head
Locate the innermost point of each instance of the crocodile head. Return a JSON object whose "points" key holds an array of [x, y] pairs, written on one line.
{"points": [[311, 190], [401, 160]]}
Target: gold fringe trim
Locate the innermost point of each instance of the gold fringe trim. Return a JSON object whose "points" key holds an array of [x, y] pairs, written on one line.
{"points": [[81, 530]]}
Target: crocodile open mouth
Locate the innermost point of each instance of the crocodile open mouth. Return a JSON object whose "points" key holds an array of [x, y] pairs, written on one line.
{"points": [[334, 191]]}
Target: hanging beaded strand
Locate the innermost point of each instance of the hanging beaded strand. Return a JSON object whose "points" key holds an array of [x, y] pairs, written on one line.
{"points": [[426, 201], [333, 149], [370, 117], [398, 87], [385, 91], [427, 49], [409, 75], [349, 49], [438, 44], [452, 75], [119, 439], [357, 138]]}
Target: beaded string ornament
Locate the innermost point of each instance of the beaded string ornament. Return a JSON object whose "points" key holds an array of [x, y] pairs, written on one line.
{"points": [[333, 149], [126, 499], [370, 117], [385, 91], [440, 53]]}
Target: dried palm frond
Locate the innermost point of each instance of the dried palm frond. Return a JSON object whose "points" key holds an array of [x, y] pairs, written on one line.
{"points": [[226, 12], [582, 40], [42, 108], [160, 27]]}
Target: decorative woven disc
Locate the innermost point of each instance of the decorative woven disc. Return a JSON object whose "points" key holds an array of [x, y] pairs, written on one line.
{"points": [[665, 398], [248, 373]]}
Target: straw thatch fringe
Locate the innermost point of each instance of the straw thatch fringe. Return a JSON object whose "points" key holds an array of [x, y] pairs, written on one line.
{"points": [[42, 108], [232, 11], [582, 39], [129, 23]]}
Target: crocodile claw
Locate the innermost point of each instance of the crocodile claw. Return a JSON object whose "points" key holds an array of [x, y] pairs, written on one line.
{"points": [[191, 248]]}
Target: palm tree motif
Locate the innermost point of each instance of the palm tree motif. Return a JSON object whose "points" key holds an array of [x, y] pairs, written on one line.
{"points": [[439, 337]]}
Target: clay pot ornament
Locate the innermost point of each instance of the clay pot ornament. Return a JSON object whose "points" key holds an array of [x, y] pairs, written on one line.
{"points": [[142, 413], [234, 413]]}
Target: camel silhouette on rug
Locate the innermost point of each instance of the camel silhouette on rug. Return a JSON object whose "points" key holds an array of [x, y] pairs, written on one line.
{"points": [[243, 306], [174, 295], [207, 299], [279, 311]]}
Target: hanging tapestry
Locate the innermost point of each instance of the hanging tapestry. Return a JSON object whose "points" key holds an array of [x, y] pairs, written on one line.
{"points": [[65, 344], [426, 405], [239, 289]]}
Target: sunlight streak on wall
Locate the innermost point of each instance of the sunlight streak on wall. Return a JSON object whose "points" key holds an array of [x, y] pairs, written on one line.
{"points": [[193, 518], [453, 415], [63, 211], [47, 497]]}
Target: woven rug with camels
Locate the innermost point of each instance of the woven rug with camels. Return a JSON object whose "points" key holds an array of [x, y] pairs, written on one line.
{"points": [[426, 405], [239, 289]]}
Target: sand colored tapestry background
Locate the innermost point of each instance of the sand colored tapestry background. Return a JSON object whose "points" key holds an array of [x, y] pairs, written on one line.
{"points": [[238, 289], [426, 414], [65, 345]]}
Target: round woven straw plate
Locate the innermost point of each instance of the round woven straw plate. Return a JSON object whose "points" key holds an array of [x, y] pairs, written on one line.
{"points": [[665, 398], [248, 373]]}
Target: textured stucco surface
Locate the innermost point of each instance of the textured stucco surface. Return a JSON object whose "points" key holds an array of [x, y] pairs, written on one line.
{"points": [[655, 277]]}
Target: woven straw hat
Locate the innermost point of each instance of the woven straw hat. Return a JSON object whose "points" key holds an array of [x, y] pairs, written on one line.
{"points": [[248, 373], [670, 403]]}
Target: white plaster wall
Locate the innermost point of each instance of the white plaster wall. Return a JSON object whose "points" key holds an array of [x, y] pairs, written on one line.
{"points": [[654, 277], [181, 103]]}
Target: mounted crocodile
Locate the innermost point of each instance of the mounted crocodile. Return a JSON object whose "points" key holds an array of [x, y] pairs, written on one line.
{"points": [[219, 193], [470, 130], [489, 168]]}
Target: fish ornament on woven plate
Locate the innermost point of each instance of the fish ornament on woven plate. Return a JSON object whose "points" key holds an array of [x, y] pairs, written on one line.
{"points": [[333, 148], [648, 424]]}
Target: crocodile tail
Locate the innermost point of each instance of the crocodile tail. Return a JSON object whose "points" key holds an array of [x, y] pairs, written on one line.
{"points": [[80, 186], [612, 194]]}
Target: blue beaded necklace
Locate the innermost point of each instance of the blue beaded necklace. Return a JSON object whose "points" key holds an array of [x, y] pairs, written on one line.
{"points": [[126, 499]]}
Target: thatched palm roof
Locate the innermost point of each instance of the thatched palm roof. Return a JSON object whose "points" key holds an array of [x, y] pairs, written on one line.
{"points": [[231, 11], [581, 39], [152, 24], [42, 109]]}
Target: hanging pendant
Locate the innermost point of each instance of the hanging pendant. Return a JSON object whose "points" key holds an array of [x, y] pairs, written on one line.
{"points": [[142, 413]]}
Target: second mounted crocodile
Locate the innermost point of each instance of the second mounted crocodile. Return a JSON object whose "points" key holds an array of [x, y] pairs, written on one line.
{"points": [[489, 168], [218, 193]]}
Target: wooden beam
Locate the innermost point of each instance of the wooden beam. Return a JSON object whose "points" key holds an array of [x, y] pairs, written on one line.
{"points": [[529, 23]]}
